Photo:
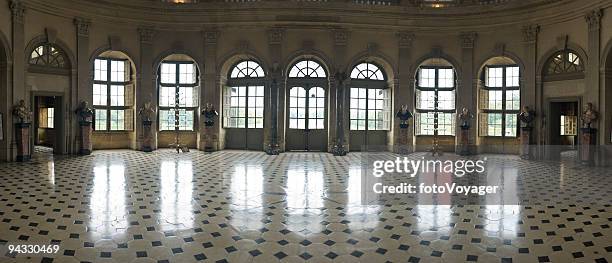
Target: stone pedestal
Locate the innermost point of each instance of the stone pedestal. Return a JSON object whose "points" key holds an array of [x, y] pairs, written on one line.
{"points": [[147, 136], [402, 142], [210, 139], [22, 136], [588, 138], [526, 145], [464, 141], [85, 146]]}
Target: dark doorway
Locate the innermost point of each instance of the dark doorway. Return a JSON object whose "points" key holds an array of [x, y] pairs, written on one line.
{"points": [[563, 129], [48, 123]]}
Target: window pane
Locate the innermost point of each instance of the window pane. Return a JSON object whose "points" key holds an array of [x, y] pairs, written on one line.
{"points": [[99, 95], [446, 100], [168, 73], [50, 117], [446, 78], [117, 120], [100, 120], [118, 71], [100, 69], [297, 108], [513, 99], [185, 120], [494, 77], [117, 95], [166, 120], [510, 129], [512, 76], [495, 100], [427, 77], [494, 124], [187, 74]]}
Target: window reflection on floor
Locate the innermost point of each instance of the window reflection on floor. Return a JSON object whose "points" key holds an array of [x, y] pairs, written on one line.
{"points": [[304, 191], [246, 192], [107, 203], [360, 216], [176, 194]]}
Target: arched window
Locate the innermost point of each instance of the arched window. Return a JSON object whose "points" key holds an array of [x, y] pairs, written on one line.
{"points": [[244, 96], [307, 69], [500, 98], [564, 64], [178, 95], [307, 85], [113, 93], [370, 99], [307, 104], [435, 98], [48, 55], [367, 71]]}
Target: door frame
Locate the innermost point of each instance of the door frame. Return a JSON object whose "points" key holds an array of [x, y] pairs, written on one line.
{"points": [[548, 119], [367, 84], [307, 84], [59, 124]]}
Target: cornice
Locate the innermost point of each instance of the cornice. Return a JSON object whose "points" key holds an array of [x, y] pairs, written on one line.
{"points": [[192, 17]]}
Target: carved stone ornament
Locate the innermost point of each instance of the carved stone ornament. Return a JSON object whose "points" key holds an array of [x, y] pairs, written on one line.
{"points": [[22, 112]]}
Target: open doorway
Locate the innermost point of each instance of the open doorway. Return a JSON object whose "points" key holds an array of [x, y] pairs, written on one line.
{"points": [[48, 123], [564, 129]]}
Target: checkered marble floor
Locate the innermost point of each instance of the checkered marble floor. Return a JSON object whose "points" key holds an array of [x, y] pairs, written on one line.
{"points": [[232, 206]]}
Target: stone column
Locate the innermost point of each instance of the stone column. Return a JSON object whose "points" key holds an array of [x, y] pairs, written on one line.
{"points": [[531, 95], [146, 131], [18, 76], [403, 94], [211, 91], [337, 94], [466, 95], [83, 92], [277, 88]]}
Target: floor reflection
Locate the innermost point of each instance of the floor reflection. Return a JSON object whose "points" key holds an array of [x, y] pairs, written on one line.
{"points": [[107, 203], [360, 216], [304, 190], [176, 194], [246, 192]]}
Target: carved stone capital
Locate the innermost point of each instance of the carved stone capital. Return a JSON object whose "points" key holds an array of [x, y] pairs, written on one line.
{"points": [[468, 39], [593, 19], [211, 37], [275, 35], [405, 39], [340, 37], [17, 10], [530, 33], [146, 34], [82, 26]]}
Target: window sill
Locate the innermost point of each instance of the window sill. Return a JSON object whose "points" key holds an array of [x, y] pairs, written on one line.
{"points": [[434, 136]]}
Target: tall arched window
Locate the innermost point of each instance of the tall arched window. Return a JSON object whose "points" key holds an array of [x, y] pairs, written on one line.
{"points": [[113, 92], [307, 104], [435, 98], [370, 99], [500, 98], [244, 96], [307, 116], [564, 64], [178, 95]]}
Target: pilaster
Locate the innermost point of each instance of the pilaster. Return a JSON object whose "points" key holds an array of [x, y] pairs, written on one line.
{"points": [[147, 90], [403, 91], [210, 87], [338, 132], [531, 94], [18, 71], [276, 89], [466, 94], [592, 77]]}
